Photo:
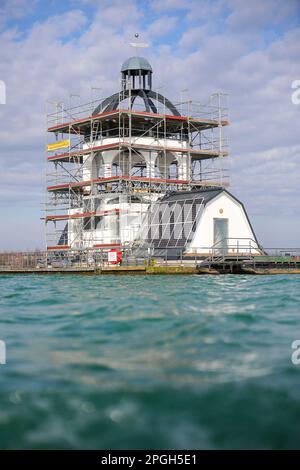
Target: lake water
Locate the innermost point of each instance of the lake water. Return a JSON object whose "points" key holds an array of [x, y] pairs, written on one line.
{"points": [[125, 362]]}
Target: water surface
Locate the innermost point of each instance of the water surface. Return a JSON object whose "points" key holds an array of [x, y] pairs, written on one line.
{"points": [[149, 362]]}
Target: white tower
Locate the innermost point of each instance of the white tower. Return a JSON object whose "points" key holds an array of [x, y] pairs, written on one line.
{"points": [[130, 151]]}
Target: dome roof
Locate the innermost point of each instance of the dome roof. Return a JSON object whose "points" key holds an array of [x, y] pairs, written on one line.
{"points": [[136, 63]]}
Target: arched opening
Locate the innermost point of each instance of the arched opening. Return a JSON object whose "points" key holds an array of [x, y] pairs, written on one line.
{"points": [[138, 103], [97, 166], [125, 165], [166, 166]]}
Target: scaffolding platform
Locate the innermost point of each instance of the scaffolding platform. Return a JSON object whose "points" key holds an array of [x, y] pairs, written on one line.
{"points": [[195, 153], [110, 161], [84, 125]]}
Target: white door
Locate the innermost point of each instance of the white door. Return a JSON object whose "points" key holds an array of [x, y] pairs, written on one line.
{"points": [[221, 235]]}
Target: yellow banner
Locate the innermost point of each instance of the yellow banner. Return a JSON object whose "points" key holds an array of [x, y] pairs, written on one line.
{"points": [[58, 145]]}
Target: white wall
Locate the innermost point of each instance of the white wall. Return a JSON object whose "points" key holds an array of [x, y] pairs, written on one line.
{"points": [[223, 206], [108, 156], [125, 226]]}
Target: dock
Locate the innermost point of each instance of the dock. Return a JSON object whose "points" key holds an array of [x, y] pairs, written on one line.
{"points": [[212, 265]]}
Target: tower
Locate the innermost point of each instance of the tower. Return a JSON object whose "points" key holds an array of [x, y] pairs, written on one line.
{"points": [[112, 162]]}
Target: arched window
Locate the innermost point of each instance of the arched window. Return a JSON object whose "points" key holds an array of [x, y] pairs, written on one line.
{"points": [[166, 165], [124, 165]]}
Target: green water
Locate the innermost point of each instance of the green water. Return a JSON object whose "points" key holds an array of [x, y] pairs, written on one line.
{"points": [[149, 362]]}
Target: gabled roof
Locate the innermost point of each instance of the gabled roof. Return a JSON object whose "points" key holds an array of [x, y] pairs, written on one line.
{"points": [[207, 195]]}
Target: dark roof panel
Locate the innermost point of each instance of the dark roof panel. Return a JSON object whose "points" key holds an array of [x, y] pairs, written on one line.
{"points": [[206, 194]]}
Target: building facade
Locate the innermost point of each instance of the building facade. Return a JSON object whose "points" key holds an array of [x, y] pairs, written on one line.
{"points": [[135, 169]]}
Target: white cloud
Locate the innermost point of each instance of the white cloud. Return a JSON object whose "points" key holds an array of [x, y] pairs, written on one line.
{"points": [[162, 26], [255, 15], [15, 9], [68, 53], [170, 5]]}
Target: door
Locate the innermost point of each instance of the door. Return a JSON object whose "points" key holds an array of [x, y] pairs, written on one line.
{"points": [[221, 235]]}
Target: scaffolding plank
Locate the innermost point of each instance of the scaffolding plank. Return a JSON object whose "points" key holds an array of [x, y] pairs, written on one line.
{"points": [[195, 152], [82, 215], [80, 184], [58, 247], [76, 123]]}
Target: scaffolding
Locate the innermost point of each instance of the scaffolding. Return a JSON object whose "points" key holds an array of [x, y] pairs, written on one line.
{"points": [[129, 158]]}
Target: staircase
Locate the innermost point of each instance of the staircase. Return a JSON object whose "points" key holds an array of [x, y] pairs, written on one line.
{"points": [[226, 255]]}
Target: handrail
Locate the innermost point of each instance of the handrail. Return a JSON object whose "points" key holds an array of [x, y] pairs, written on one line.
{"points": [[64, 257], [233, 238], [219, 244]]}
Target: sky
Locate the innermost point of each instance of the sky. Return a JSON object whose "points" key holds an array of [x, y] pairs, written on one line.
{"points": [[248, 49]]}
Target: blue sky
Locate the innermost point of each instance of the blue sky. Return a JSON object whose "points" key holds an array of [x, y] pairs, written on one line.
{"points": [[249, 49]]}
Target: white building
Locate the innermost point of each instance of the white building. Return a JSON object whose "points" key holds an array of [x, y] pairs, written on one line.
{"points": [[204, 221], [142, 171]]}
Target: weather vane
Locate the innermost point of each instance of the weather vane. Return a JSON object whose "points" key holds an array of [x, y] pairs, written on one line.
{"points": [[138, 45]]}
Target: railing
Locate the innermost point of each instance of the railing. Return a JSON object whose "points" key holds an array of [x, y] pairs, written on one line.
{"points": [[247, 251], [235, 248], [283, 252], [93, 259], [62, 113], [20, 260]]}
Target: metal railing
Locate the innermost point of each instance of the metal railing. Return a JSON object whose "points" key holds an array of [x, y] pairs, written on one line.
{"points": [[94, 259], [62, 112], [235, 249]]}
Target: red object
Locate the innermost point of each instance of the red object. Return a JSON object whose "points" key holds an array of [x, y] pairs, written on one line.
{"points": [[114, 256], [58, 247]]}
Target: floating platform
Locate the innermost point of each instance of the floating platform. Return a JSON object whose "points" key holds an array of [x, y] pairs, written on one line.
{"points": [[261, 264]]}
